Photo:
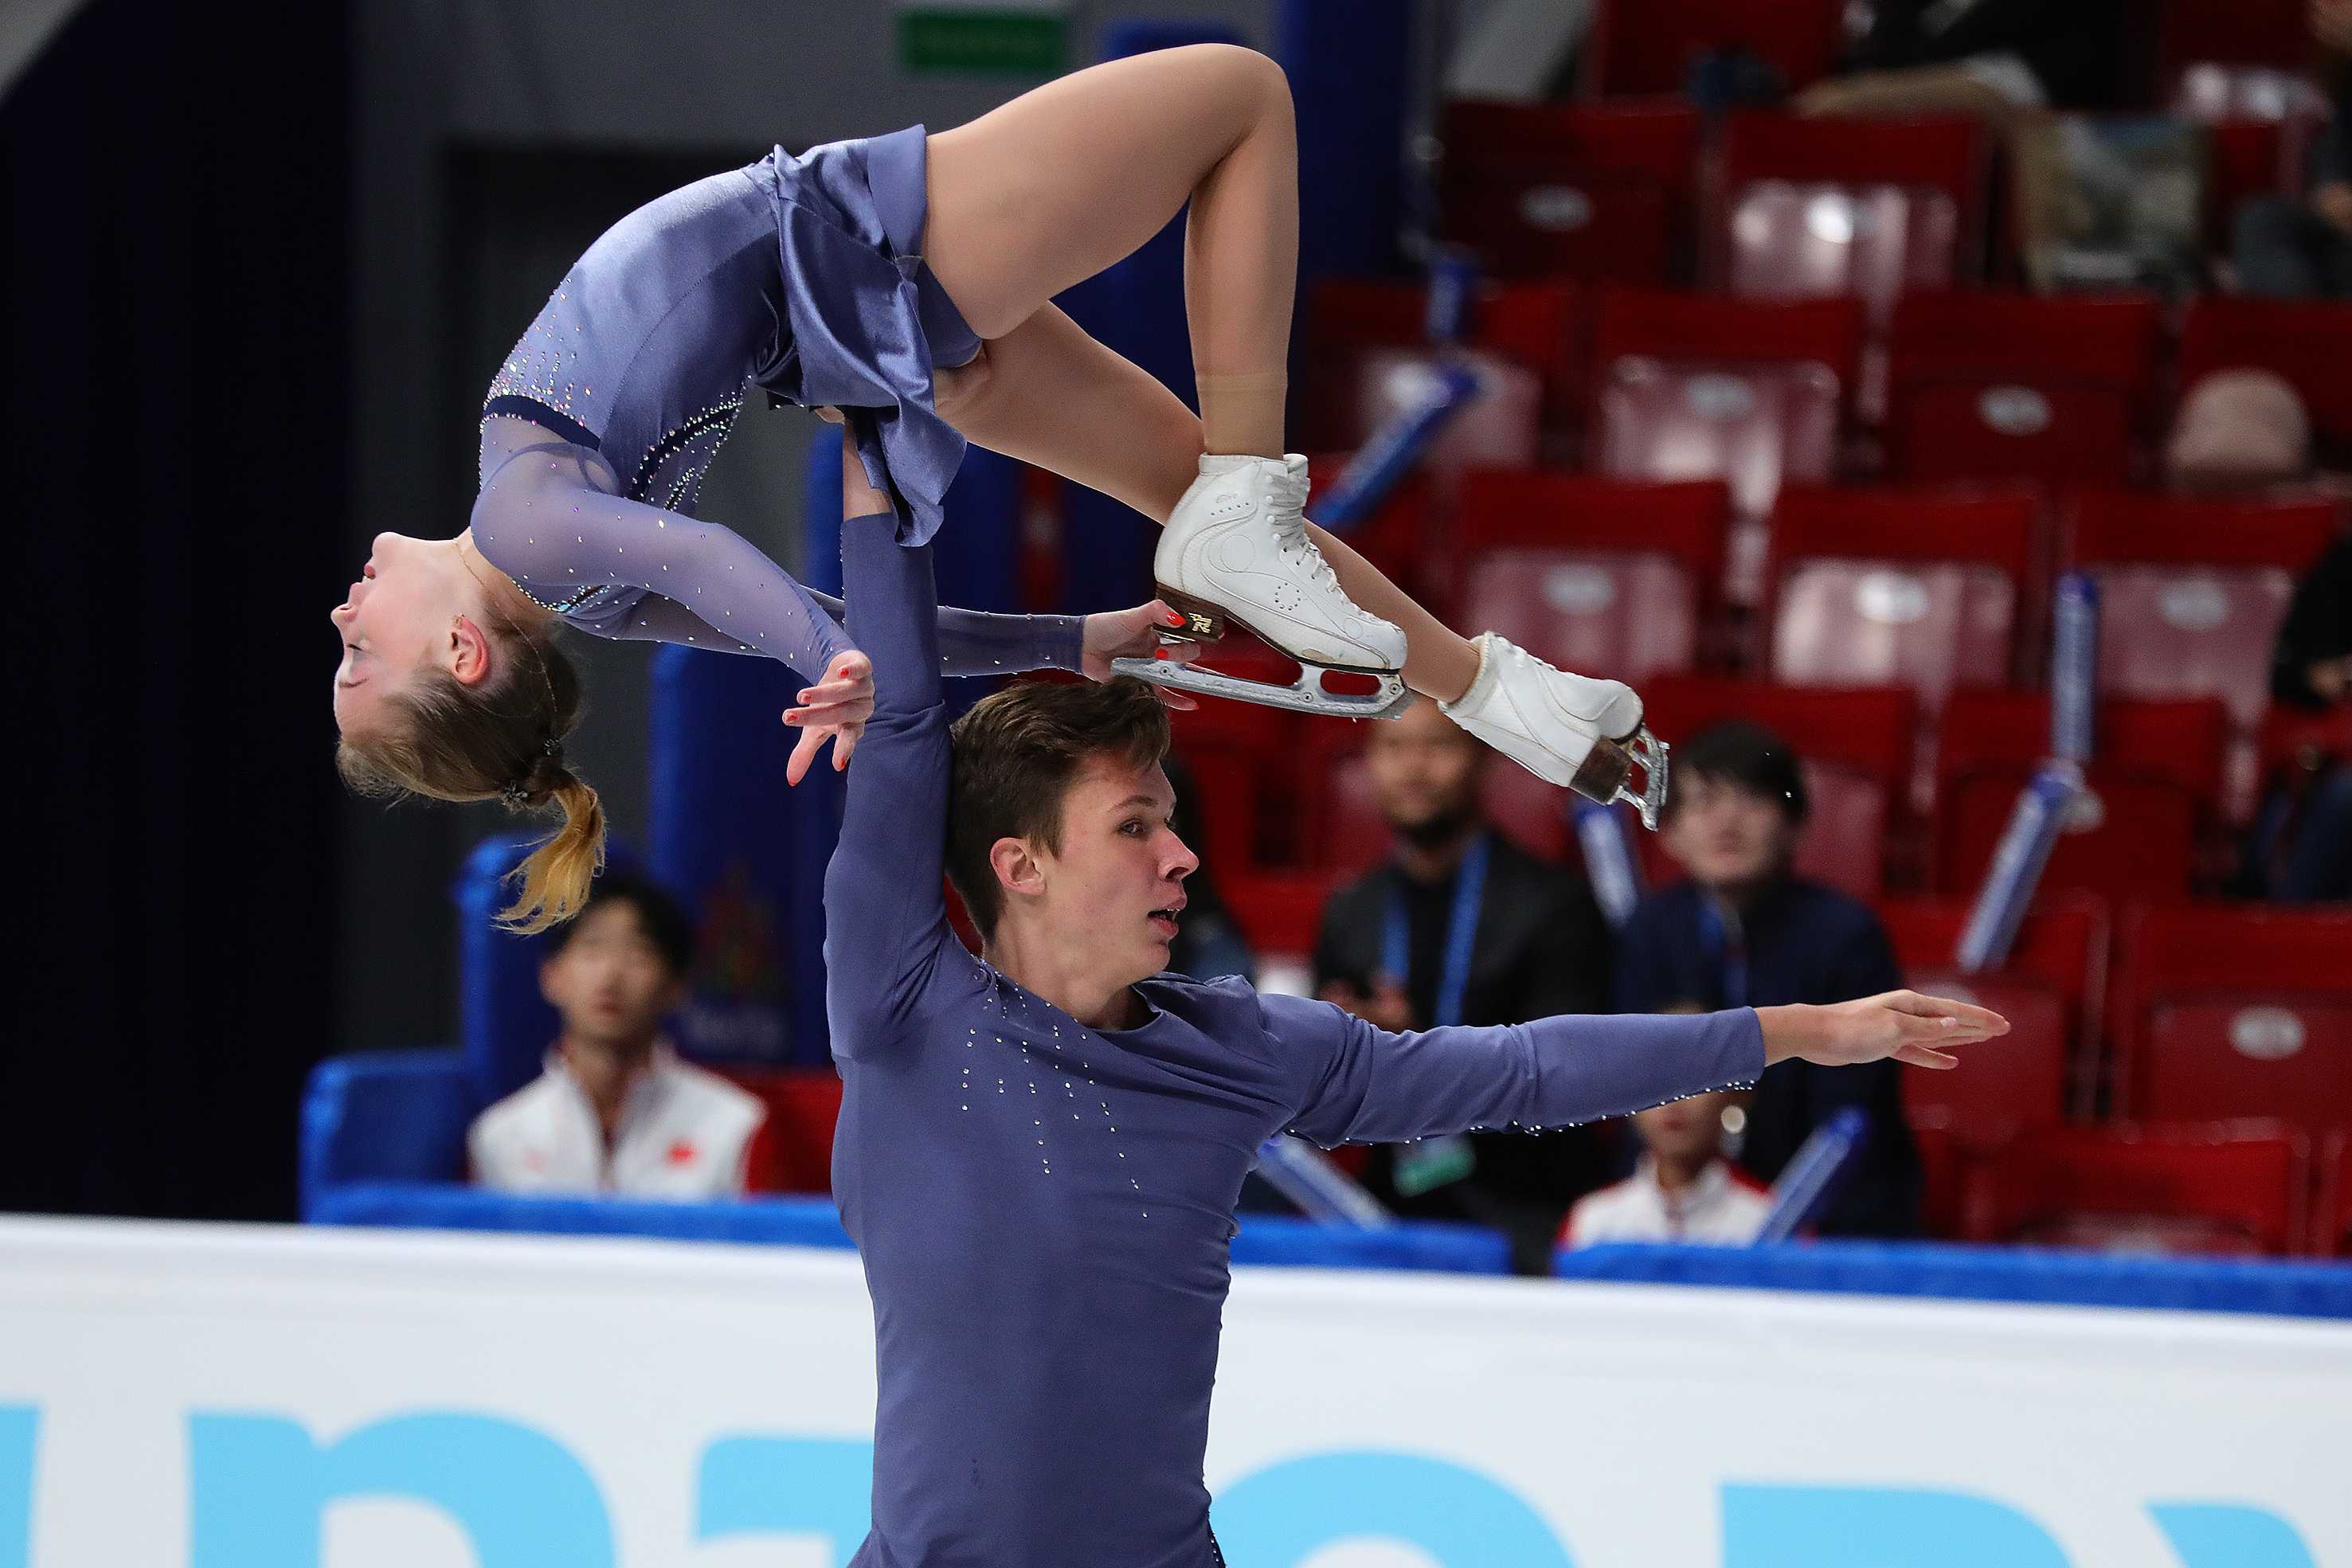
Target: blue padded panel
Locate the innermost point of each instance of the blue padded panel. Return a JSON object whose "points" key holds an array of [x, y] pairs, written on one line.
{"points": [[1286, 1242], [2292, 1289], [1351, 65], [769, 1221], [392, 1116]]}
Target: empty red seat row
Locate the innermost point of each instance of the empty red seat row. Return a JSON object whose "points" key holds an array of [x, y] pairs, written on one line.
{"points": [[1979, 387], [2215, 1186]]}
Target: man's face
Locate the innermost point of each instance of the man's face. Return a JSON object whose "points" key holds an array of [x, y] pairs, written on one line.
{"points": [[1727, 835], [611, 983], [1114, 889], [1425, 769], [1685, 1132]]}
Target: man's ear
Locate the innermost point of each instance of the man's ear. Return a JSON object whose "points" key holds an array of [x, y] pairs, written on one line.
{"points": [[1018, 869]]}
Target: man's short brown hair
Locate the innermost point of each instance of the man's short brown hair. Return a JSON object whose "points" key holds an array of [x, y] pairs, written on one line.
{"points": [[1018, 753]]}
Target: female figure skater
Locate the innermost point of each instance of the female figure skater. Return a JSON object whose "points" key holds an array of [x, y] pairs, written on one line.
{"points": [[906, 282]]}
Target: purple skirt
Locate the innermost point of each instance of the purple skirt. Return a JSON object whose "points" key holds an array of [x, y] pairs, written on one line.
{"points": [[867, 322]]}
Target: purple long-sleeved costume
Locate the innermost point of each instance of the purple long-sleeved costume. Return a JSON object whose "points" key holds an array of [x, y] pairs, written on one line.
{"points": [[1043, 1209], [798, 276]]}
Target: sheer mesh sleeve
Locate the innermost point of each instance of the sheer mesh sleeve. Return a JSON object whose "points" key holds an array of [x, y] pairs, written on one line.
{"points": [[549, 517]]}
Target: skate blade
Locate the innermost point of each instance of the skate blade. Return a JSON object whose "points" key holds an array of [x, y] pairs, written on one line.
{"points": [[1305, 695], [1207, 623], [1607, 771]]}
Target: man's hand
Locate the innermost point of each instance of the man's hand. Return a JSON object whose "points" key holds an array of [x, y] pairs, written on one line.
{"points": [[1135, 635], [835, 709], [1384, 1007], [1904, 1025]]}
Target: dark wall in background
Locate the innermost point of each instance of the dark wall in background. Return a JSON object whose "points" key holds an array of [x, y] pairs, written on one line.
{"points": [[173, 283]]}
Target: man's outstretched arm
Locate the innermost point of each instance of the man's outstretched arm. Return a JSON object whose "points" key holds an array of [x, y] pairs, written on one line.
{"points": [[1366, 1085]]}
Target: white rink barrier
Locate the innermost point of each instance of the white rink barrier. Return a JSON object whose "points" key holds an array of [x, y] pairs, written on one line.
{"points": [[220, 1396]]}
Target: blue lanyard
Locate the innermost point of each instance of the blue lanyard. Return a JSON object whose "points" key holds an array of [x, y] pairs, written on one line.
{"points": [[1461, 936], [1729, 948]]}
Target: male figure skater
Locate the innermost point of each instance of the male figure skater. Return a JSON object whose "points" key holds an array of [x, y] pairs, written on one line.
{"points": [[1040, 1149]]}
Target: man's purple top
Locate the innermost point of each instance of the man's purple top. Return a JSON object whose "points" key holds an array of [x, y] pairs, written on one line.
{"points": [[1043, 1209]]}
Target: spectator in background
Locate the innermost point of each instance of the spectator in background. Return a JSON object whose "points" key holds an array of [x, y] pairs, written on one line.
{"points": [[1209, 944], [1743, 931], [2302, 847], [616, 1110], [1998, 60], [1683, 1189], [1461, 926], [2301, 249], [2239, 429]]}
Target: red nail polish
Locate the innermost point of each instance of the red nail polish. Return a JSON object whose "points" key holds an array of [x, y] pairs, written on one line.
{"points": [[1161, 653]]}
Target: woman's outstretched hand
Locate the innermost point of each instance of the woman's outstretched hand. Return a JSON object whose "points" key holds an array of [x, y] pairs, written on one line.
{"points": [[1904, 1025], [1135, 635], [835, 709]]}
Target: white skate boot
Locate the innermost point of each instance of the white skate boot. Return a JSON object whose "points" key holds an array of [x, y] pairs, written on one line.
{"points": [[1236, 552], [1570, 729]]}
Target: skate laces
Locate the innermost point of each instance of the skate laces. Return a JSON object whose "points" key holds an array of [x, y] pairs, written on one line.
{"points": [[1288, 517]]}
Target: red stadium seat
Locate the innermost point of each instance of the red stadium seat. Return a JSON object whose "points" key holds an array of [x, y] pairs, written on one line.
{"points": [[1537, 325], [2155, 783], [2256, 120], [1639, 48], [2009, 386], [1656, 325], [1598, 575], [1598, 192], [1856, 746], [2018, 1083], [2062, 947], [2309, 342], [2226, 1011], [1885, 587], [2192, 591], [2216, 1187], [2331, 1230], [1748, 392], [2282, 1055], [1281, 912], [1752, 426], [1810, 209], [803, 1107]]}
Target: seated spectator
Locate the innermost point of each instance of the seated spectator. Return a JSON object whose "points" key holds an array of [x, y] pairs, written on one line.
{"points": [[617, 1111], [1742, 931], [1999, 60], [2302, 847], [1209, 944], [1683, 1189], [2300, 248], [2239, 430], [1460, 926]]}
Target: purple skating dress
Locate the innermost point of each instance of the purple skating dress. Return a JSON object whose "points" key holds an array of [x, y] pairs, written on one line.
{"points": [[796, 275]]}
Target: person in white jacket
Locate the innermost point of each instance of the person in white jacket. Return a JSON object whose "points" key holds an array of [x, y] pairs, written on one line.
{"points": [[617, 1111], [1682, 1190]]}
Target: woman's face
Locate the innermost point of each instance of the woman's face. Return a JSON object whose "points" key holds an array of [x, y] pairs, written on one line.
{"points": [[414, 601]]}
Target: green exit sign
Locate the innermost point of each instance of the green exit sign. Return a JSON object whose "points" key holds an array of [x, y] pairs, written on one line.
{"points": [[1012, 39]]}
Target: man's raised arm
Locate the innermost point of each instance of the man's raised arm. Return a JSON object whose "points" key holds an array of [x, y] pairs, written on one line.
{"points": [[884, 917]]}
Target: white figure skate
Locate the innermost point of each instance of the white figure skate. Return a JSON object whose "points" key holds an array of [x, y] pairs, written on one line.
{"points": [[1236, 552], [1570, 729]]}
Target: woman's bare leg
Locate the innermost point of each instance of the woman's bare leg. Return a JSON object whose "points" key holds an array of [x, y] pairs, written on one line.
{"points": [[1048, 394], [1063, 181]]}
